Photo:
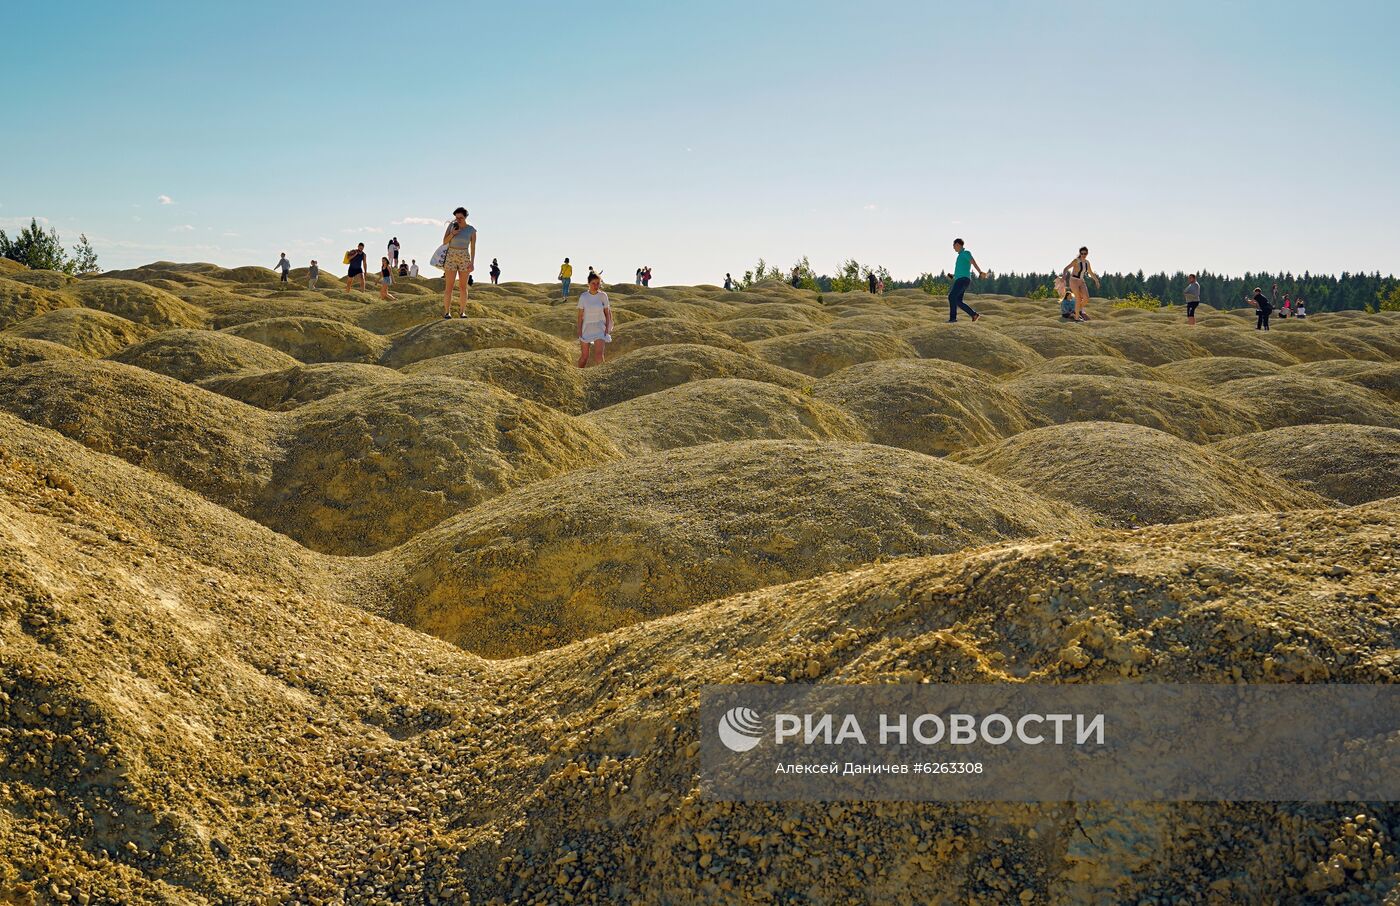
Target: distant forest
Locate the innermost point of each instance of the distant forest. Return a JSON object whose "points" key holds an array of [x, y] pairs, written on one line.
{"points": [[1321, 292]]}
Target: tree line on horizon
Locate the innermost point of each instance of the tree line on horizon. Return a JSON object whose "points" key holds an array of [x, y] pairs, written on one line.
{"points": [[1322, 292]]}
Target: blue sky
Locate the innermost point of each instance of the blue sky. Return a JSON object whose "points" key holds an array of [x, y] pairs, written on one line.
{"points": [[698, 137]]}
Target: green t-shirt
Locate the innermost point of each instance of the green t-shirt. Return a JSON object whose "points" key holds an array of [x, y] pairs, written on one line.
{"points": [[964, 266]]}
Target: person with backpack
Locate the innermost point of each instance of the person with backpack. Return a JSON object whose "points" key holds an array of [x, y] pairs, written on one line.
{"points": [[1076, 273], [356, 259], [962, 279], [1193, 298], [1263, 307], [283, 265], [460, 239], [566, 274]]}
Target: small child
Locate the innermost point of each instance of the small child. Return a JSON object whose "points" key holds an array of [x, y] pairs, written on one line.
{"points": [[594, 323], [312, 273]]}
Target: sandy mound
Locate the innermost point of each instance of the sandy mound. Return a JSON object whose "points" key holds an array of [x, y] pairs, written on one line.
{"points": [[1096, 366], [1240, 343], [609, 546], [1349, 463], [1133, 475], [659, 367], [209, 444], [16, 351], [193, 355], [93, 333], [669, 331], [1154, 343], [1188, 414], [1291, 398], [878, 322], [137, 302], [1304, 344], [973, 345], [413, 311], [1051, 339], [312, 340], [561, 321], [528, 375], [801, 312], [748, 330], [295, 386], [21, 301], [1211, 372], [1381, 378], [721, 409], [368, 469], [822, 352], [229, 312], [443, 337], [929, 406]]}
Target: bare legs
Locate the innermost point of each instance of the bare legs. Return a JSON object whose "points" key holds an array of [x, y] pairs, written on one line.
{"points": [[450, 278], [596, 350]]}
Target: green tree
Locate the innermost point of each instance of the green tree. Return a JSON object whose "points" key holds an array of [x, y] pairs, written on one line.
{"points": [[35, 248], [1388, 299], [84, 260]]}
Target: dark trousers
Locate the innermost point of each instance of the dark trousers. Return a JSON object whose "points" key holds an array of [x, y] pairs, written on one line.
{"points": [[1263, 319], [955, 298], [284, 276]]}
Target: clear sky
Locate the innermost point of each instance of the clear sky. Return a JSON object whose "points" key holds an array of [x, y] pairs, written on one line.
{"points": [[696, 137]]}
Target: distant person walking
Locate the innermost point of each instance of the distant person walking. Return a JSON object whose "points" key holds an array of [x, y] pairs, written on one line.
{"points": [[962, 279], [283, 265], [386, 278], [728, 282], [460, 239], [1193, 298], [594, 323], [566, 275], [394, 251], [312, 273], [1263, 308], [413, 268], [356, 259], [872, 281], [1076, 273], [495, 272]]}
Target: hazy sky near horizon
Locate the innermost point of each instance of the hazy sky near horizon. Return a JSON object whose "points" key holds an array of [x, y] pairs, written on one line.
{"points": [[698, 137]]}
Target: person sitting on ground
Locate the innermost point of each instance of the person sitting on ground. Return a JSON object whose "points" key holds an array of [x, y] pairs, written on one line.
{"points": [[403, 268], [1286, 308], [1300, 309], [1193, 298], [595, 322]]}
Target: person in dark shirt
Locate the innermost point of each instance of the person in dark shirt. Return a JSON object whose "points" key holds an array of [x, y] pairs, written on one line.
{"points": [[1263, 308], [356, 259]]}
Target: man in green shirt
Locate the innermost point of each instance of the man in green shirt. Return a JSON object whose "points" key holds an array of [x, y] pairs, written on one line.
{"points": [[962, 278]]}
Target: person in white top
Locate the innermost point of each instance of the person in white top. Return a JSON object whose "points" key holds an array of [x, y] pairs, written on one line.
{"points": [[413, 268], [594, 323]]}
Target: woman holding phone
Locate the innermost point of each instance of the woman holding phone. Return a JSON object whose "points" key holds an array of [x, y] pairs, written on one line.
{"points": [[460, 239]]}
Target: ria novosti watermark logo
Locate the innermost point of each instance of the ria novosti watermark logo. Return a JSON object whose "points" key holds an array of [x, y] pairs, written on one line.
{"points": [[1034, 743], [740, 729]]}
